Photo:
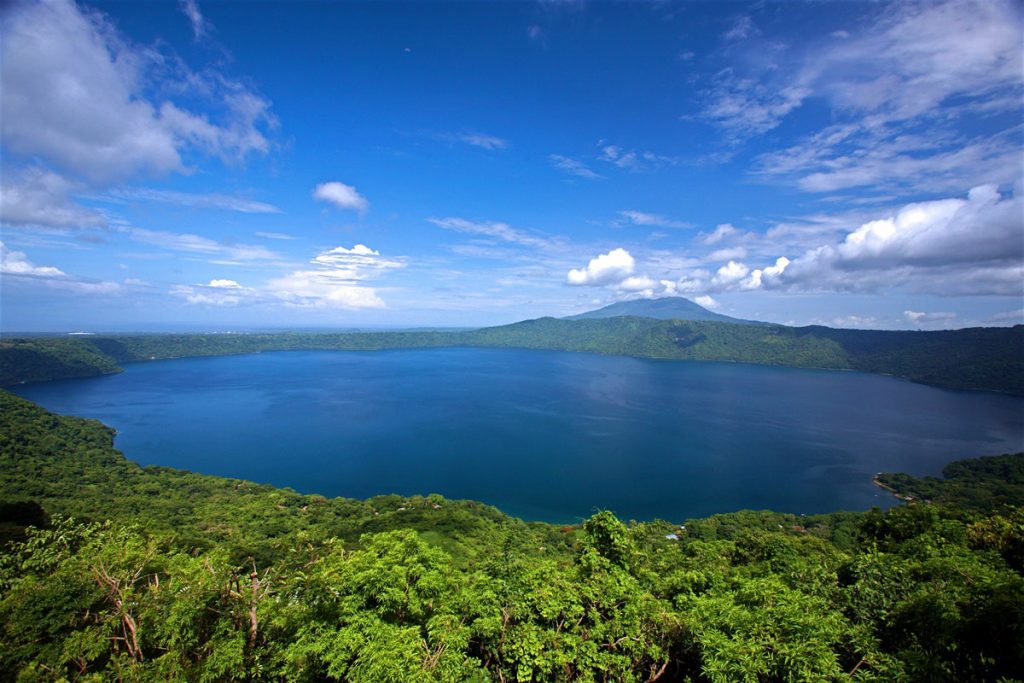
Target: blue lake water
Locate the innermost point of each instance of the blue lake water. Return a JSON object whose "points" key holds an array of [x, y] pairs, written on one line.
{"points": [[543, 435]]}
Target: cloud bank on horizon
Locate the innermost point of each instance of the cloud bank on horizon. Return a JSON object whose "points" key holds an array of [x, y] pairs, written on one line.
{"points": [[836, 164]]}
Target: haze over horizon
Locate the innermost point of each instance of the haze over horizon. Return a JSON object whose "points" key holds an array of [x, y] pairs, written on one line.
{"points": [[185, 164]]}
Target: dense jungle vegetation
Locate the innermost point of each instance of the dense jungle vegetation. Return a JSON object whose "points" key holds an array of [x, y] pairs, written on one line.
{"points": [[111, 571], [974, 358]]}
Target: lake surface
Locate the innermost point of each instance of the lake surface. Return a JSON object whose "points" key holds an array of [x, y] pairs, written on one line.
{"points": [[541, 434]]}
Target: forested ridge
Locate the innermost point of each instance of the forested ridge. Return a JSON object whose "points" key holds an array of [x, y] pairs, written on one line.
{"points": [[990, 359], [113, 571], [982, 484]]}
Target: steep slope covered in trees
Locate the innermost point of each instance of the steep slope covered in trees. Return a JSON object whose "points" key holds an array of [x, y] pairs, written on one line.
{"points": [[989, 359], [665, 308]]}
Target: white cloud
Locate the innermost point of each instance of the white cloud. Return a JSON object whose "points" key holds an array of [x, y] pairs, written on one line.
{"points": [[482, 140], [727, 254], [731, 272], [341, 195], [17, 263], [205, 296], [716, 236], [733, 276], [337, 281], [496, 230], [611, 268], [919, 317], [231, 254], [636, 284], [1015, 317], [573, 167], [706, 302], [845, 157], [741, 28], [745, 107], [357, 263], [633, 160], [857, 321], [641, 218], [201, 200], [948, 247], [985, 227], [916, 57], [904, 90], [767, 275], [275, 235], [75, 95], [200, 26], [37, 197], [218, 292]]}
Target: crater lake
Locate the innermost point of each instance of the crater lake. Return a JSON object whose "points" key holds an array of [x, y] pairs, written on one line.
{"points": [[543, 435]]}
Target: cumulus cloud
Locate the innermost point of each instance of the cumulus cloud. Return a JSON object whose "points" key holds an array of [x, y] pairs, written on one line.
{"points": [[717, 235], [976, 245], [731, 272], [951, 247], [636, 283], [218, 292], [16, 265], [336, 281], [727, 254], [768, 275], [707, 302], [341, 195], [611, 268], [75, 95], [41, 198]]}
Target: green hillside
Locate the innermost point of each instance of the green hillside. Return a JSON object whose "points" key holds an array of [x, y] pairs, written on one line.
{"points": [[665, 308], [990, 358]]}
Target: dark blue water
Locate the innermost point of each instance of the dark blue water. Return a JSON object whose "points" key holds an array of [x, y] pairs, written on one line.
{"points": [[543, 435]]}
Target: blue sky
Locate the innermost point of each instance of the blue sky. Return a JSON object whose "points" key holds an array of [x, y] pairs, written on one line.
{"points": [[235, 165]]}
